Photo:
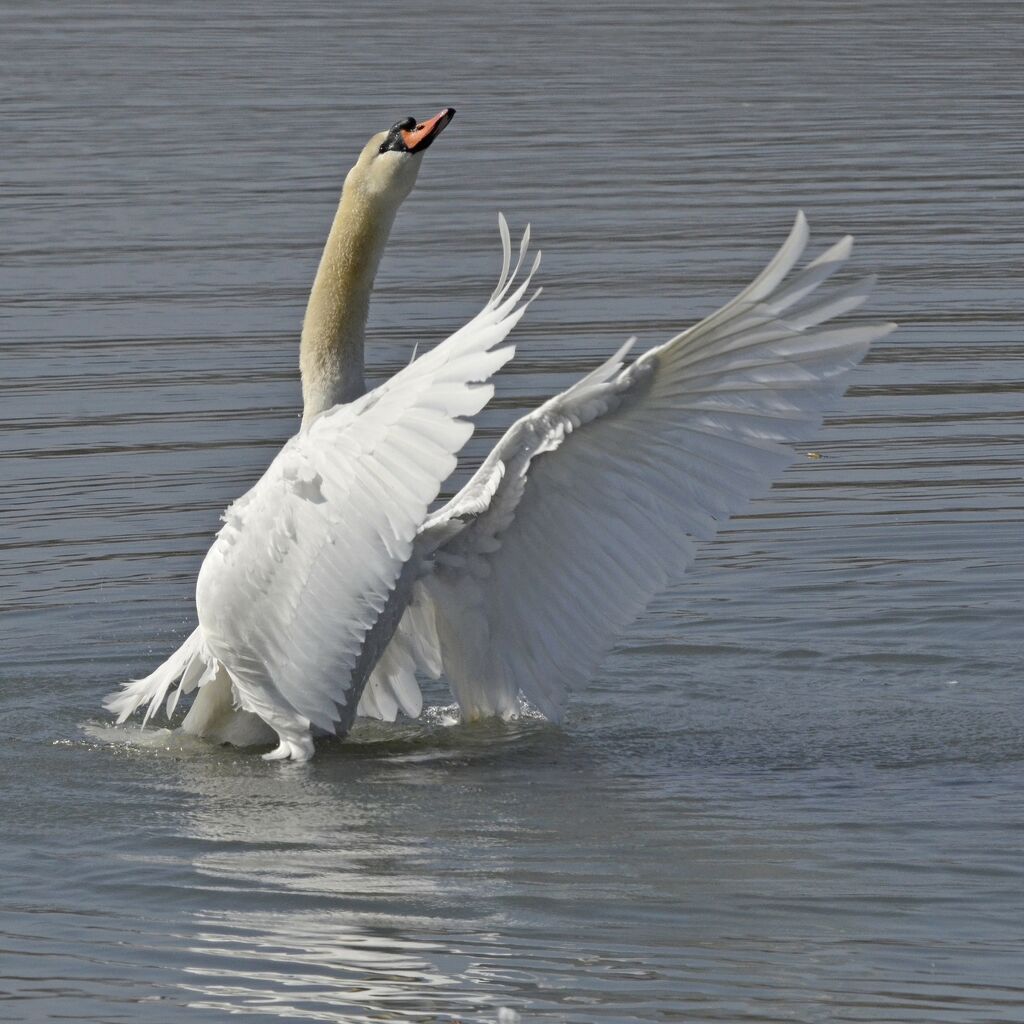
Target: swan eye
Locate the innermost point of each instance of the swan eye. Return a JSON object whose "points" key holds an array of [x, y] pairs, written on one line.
{"points": [[383, 148]]}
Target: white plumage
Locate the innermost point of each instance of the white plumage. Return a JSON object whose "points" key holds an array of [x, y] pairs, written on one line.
{"points": [[591, 504], [292, 595], [329, 587]]}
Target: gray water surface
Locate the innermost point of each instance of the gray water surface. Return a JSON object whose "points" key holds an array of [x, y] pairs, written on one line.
{"points": [[794, 793]]}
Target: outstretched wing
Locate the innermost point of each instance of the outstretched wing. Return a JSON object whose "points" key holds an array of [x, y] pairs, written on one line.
{"points": [[307, 559], [590, 505]]}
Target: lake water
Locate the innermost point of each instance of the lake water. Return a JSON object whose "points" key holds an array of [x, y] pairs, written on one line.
{"points": [[796, 790]]}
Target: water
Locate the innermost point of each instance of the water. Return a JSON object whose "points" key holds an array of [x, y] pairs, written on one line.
{"points": [[793, 793]]}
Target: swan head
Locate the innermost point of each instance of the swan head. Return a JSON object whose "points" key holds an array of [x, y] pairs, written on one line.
{"points": [[387, 167]]}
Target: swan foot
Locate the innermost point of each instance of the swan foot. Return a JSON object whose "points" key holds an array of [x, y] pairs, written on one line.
{"points": [[296, 748]]}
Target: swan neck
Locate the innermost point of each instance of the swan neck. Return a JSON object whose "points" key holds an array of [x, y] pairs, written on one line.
{"points": [[334, 327]]}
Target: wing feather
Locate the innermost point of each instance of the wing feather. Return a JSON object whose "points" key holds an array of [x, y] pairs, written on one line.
{"points": [[306, 561], [591, 504], [305, 566]]}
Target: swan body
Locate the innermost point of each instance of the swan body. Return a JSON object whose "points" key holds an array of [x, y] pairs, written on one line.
{"points": [[329, 587], [299, 594]]}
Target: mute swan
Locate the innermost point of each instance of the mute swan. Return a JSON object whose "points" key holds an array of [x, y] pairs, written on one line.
{"points": [[584, 510]]}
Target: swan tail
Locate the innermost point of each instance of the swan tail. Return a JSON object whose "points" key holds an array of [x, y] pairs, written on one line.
{"points": [[189, 666], [216, 717]]}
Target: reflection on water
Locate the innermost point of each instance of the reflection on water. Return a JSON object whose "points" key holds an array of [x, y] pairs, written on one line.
{"points": [[335, 889], [794, 791], [349, 922], [456, 870]]}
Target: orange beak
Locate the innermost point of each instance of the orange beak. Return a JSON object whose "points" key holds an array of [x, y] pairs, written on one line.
{"points": [[418, 138]]}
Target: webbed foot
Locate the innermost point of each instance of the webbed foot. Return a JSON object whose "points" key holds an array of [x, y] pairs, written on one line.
{"points": [[294, 747]]}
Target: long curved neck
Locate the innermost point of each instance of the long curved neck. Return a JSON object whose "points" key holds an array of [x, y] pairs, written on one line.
{"points": [[334, 328]]}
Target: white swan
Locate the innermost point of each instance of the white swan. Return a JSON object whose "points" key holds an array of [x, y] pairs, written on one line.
{"points": [[583, 511]]}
